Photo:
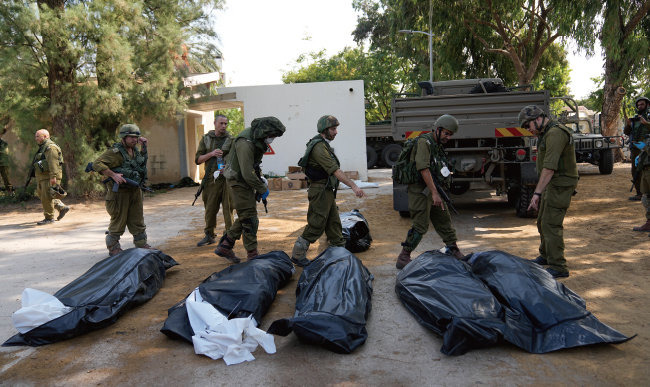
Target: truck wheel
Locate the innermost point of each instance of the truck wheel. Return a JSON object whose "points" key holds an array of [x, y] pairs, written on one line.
{"points": [[513, 196], [405, 214], [521, 206], [371, 156], [390, 154], [606, 164]]}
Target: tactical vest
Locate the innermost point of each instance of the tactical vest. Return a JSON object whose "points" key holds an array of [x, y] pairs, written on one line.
{"points": [[566, 166], [438, 160], [317, 173], [232, 170], [40, 161], [640, 131], [134, 168]]}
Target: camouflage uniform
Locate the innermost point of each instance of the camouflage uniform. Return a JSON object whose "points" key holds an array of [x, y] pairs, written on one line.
{"points": [[215, 191], [637, 132], [555, 151], [242, 172], [428, 154], [4, 165], [124, 206], [47, 164]]}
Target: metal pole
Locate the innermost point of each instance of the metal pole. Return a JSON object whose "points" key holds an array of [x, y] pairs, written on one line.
{"points": [[430, 59]]}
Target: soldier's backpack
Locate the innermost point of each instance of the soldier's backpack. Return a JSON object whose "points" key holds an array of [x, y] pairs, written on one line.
{"points": [[404, 170]]}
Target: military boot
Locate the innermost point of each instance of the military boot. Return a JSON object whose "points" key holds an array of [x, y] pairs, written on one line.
{"points": [[115, 250], [146, 246], [224, 249], [45, 221], [207, 240], [403, 259], [645, 227], [299, 252], [62, 213], [454, 251], [250, 254]]}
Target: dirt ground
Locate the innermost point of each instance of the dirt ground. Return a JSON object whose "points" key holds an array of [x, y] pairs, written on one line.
{"points": [[609, 264]]}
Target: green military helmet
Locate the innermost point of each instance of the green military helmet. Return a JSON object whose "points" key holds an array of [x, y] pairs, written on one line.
{"points": [[326, 121], [264, 127], [129, 130], [448, 122], [642, 98], [57, 192], [529, 113]]}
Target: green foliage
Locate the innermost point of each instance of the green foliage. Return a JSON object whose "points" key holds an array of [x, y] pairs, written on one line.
{"points": [[81, 68], [384, 74]]}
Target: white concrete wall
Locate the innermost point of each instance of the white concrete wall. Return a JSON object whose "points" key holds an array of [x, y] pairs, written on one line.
{"points": [[299, 106]]}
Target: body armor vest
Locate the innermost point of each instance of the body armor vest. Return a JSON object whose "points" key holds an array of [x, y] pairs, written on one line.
{"points": [[134, 168]]}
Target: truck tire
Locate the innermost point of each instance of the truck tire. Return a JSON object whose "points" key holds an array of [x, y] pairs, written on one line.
{"points": [[606, 164], [390, 154], [371, 156], [405, 214], [523, 200]]}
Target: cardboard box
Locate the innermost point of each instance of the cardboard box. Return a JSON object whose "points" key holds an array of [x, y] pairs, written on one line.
{"points": [[304, 184], [293, 169], [291, 184], [275, 184], [296, 176], [353, 175]]}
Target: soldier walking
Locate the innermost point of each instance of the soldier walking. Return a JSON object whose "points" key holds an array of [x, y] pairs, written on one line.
{"points": [[47, 164], [638, 128], [323, 171], [213, 148], [124, 160], [558, 179], [244, 176], [425, 203]]}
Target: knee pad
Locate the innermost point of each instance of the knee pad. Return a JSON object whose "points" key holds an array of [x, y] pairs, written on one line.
{"points": [[249, 225], [412, 241]]}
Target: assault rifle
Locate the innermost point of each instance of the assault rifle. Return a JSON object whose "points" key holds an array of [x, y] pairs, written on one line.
{"points": [[116, 185], [442, 193], [198, 193]]}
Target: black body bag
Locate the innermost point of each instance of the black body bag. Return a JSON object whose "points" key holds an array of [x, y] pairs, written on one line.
{"points": [[356, 231]]}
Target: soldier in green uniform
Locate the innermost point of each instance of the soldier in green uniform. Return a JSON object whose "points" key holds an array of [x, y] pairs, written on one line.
{"points": [[243, 175], [124, 160], [4, 163], [323, 171], [213, 147], [425, 203], [558, 178], [47, 163], [637, 128]]}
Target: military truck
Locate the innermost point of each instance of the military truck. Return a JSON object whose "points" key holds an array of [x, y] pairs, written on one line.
{"points": [[490, 148]]}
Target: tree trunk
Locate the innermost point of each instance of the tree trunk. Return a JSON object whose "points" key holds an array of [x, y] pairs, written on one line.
{"points": [[612, 97]]}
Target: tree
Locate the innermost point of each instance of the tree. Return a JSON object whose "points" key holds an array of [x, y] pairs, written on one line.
{"points": [[624, 37], [384, 74], [508, 38], [82, 67]]}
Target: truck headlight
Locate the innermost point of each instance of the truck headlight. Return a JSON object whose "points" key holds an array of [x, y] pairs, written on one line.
{"points": [[598, 143]]}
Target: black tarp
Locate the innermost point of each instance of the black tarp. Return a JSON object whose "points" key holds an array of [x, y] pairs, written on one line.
{"points": [[536, 313], [356, 231], [239, 290], [102, 294], [542, 315], [332, 302], [444, 296]]}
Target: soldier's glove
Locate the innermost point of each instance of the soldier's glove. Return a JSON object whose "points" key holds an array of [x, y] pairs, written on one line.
{"points": [[640, 145], [265, 194], [636, 161]]}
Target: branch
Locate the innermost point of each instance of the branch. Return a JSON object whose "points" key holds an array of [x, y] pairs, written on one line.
{"points": [[636, 19]]}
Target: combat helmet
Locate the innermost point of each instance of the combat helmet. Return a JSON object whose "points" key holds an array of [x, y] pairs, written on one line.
{"points": [[447, 121], [529, 113], [129, 130], [264, 127], [57, 192], [642, 98], [325, 122]]}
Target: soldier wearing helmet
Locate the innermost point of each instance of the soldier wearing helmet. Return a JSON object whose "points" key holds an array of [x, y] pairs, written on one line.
{"points": [[47, 164], [244, 177], [323, 171], [125, 160], [558, 178], [425, 203], [638, 128]]}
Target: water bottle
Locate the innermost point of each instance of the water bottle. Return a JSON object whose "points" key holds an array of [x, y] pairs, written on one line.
{"points": [[217, 172]]}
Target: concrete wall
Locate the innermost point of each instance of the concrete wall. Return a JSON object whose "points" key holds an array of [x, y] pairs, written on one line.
{"points": [[299, 106]]}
